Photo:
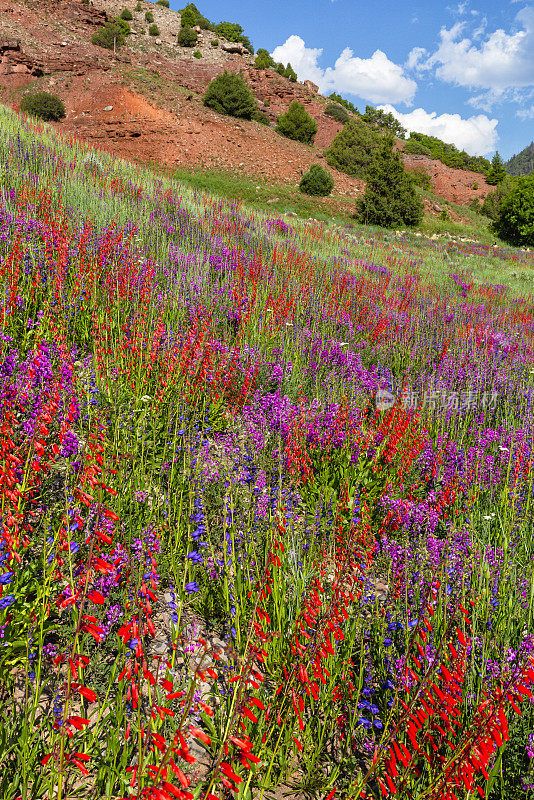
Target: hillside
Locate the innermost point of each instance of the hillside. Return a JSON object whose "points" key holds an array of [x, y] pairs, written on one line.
{"points": [[266, 492], [523, 162], [144, 102]]}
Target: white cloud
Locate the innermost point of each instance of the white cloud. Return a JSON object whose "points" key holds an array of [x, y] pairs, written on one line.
{"points": [[526, 113], [417, 59], [486, 101], [479, 32], [476, 135], [376, 79], [500, 61], [303, 59]]}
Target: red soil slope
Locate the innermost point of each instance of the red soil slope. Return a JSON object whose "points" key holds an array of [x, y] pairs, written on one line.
{"points": [[154, 89]]}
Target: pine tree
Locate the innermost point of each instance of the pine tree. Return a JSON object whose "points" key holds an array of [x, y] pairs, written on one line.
{"points": [[352, 149], [497, 172], [263, 59], [386, 122], [290, 74], [229, 94], [297, 124], [188, 19], [390, 199], [515, 219]]}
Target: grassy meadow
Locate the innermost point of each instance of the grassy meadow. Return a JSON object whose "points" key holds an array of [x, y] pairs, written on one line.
{"points": [[265, 496]]}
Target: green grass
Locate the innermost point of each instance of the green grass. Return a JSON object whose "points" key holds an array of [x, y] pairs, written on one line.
{"points": [[234, 186]]}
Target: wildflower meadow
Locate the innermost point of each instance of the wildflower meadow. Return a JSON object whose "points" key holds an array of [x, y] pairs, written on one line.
{"points": [[266, 497]]}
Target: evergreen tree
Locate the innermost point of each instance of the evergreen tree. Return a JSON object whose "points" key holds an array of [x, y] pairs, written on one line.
{"points": [[515, 220], [187, 37], [229, 94], [290, 74], [384, 121], [297, 124], [188, 18], [264, 59], [497, 172], [234, 33], [342, 102], [110, 36], [352, 149], [390, 199], [194, 17], [337, 112]]}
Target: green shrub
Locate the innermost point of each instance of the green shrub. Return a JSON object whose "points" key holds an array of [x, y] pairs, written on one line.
{"points": [[297, 124], [421, 178], [149, 16], [187, 37], [153, 30], [337, 112], [188, 19], [164, 3], [342, 102], [475, 186], [264, 59], [447, 153], [280, 68], [234, 33], [261, 116], [229, 94], [490, 205], [515, 218], [126, 14], [197, 54], [109, 36], [191, 16], [390, 199], [139, 7], [43, 105], [384, 121], [317, 182], [214, 42], [123, 25], [416, 148], [353, 148]]}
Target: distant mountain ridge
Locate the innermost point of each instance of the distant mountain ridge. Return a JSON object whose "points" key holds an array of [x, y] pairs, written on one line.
{"points": [[522, 163]]}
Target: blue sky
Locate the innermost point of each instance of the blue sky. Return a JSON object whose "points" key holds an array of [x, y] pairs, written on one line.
{"points": [[462, 71]]}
